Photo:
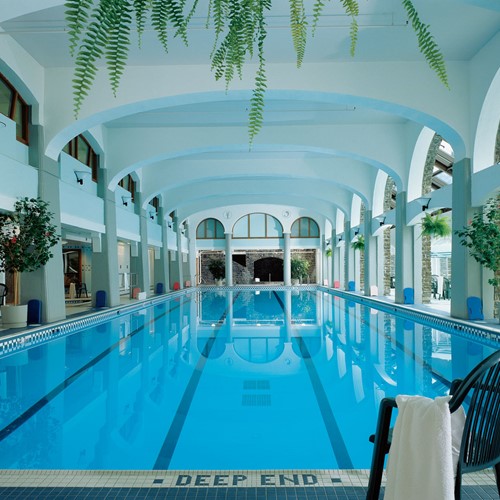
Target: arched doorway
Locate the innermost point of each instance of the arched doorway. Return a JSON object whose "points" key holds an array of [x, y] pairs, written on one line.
{"points": [[269, 269]]}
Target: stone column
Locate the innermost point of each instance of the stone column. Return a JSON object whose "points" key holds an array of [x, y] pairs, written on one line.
{"points": [[229, 259], [47, 283], [287, 276], [465, 271], [370, 253], [380, 262], [404, 250], [140, 264], [348, 255], [418, 270]]}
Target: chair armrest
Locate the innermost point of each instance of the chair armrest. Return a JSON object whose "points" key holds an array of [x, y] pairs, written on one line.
{"points": [[382, 440]]}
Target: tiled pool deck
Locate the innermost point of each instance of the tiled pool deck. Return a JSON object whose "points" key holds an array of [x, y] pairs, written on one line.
{"points": [[200, 485]]}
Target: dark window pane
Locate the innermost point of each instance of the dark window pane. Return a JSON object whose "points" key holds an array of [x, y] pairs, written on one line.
{"points": [[83, 152], [6, 95]]}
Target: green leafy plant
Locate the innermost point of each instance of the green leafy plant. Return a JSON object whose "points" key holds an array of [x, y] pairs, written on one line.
{"points": [[359, 243], [435, 226], [329, 252], [101, 29], [218, 269], [299, 268], [26, 237], [482, 238]]}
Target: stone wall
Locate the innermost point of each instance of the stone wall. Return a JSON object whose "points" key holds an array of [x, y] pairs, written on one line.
{"points": [[244, 274], [426, 240]]}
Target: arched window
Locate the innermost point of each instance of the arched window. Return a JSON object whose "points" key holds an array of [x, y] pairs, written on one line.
{"points": [[155, 202], [257, 226], [305, 227], [14, 107], [80, 149], [129, 184], [210, 229]]}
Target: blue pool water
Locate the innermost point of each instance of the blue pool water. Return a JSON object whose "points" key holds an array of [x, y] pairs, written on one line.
{"points": [[221, 380]]}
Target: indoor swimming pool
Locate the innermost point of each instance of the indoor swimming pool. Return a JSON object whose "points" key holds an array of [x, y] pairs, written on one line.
{"points": [[217, 379]]}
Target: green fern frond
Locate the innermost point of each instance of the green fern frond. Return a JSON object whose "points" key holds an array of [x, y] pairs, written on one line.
{"points": [[298, 26], [351, 8], [76, 14], [176, 17], [141, 7], [317, 11], [159, 20], [426, 43], [256, 112], [120, 19], [91, 50]]}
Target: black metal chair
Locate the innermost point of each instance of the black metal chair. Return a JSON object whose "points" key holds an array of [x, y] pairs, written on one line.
{"points": [[480, 447], [3, 293]]}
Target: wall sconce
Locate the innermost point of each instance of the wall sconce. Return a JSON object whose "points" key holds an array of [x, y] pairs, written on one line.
{"points": [[356, 232], [340, 238], [80, 175], [381, 220], [152, 216], [424, 202], [169, 224], [126, 199]]}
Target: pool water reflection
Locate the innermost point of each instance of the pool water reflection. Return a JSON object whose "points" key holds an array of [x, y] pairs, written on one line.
{"points": [[221, 380]]}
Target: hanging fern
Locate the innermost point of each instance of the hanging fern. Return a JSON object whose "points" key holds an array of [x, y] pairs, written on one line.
{"points": [[298, 26], [426, 43], [91, 50], [239, 28], [77, 14], [141, 8], [359, 243], [119, 41], [435, 226], [256, 113]]}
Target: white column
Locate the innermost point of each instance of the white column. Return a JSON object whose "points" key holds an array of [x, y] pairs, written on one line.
{"points": [[229, 260], [404, 250], [287, 277], [465, 271], [180, 259]]}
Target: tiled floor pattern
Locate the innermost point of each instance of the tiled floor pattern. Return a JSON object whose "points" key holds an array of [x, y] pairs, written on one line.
{"points": [[207, 485]]}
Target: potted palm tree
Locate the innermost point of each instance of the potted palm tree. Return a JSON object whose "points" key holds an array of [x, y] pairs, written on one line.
{"points": [[298, 270], [26, 236], [482, 238], [358, 243]]}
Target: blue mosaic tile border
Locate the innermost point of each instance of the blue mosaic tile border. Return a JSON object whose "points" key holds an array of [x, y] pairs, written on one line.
{"points": [[26, 339], [448, 325]]}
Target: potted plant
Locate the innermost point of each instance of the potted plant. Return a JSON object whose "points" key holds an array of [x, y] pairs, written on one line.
{"points": [[358, 243], [298, 270], [218, 269], [482, 238], [435, 226], [26, 236]]}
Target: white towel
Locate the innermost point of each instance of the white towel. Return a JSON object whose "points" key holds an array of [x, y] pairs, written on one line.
{"points": [[420, 463]]}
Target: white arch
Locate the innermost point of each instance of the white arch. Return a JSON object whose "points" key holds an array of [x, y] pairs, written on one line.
{"points": [[417, 165], [487, 127]]}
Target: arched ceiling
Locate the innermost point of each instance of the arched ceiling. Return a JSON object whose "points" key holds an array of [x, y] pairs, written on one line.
{"points": [[311, 153]]}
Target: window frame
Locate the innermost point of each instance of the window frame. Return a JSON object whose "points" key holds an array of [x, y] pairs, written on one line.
{"points": [[16, 98]]}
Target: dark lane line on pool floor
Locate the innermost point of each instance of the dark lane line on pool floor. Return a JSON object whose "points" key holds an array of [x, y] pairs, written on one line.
{"points": [[167, 450], [41, 403], [336, 440]]}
